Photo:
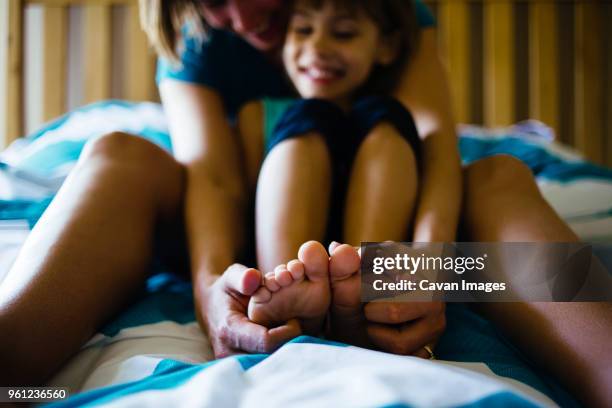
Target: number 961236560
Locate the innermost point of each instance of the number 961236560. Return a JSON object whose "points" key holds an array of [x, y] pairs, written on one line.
{"points": [[32, 394]]}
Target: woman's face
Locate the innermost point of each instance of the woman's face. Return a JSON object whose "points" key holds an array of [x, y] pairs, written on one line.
{"points": [[329, 53], [259, 22]]}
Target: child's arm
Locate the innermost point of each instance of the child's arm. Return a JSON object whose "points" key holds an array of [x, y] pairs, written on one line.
{"points": [[425, 91]]}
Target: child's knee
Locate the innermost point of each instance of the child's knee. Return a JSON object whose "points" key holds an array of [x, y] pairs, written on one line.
{"points": [[385, 137], [313, 144], [385, 123]]}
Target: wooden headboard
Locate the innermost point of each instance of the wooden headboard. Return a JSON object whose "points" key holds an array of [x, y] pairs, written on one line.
{"points": [[508, 60], [108, 31], [551, 60]]}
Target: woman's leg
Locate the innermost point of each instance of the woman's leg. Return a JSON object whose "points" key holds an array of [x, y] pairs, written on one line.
{"points": [[382, 190], [292, 199], [503, 203], [86, 256]]}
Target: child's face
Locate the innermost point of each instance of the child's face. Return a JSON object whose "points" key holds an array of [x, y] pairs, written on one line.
{"points": [[329, 53]]}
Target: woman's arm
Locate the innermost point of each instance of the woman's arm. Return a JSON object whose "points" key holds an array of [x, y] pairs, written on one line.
{"points": [[215, 196], [251, 133], [425, 92], [215, 200], [423, 89]]}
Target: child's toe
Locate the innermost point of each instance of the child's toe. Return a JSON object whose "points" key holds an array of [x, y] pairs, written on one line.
{"points": [[283, 276], [315, 259], [296, 268], [271, 283], [344, 262], [263, 295]]}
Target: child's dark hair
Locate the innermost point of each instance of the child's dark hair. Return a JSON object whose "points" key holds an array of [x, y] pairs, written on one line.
{"points": [[396, 20]]}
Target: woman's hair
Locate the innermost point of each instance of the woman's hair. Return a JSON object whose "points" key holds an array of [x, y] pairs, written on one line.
{"points": [[396, 20], [165, 22]]}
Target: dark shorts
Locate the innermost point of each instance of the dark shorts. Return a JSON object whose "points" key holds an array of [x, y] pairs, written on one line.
{"points": [[343, 134]]}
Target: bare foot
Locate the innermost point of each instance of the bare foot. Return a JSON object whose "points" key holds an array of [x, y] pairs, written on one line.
{"points": [[347, 319], [299, 290]]}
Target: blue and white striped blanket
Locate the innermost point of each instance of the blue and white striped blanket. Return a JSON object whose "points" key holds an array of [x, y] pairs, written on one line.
{"points": [[155, 354], [33, 168]]}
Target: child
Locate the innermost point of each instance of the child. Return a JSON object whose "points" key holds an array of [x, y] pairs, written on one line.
{"points": [[299, 154]]}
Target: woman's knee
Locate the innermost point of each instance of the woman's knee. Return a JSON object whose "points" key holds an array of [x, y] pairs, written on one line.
{"points": [[120, 148], [123, 147], [129, 158], [499, 174]]}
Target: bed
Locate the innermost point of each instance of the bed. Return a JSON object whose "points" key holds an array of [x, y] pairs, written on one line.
{"points": [[153, 353]]}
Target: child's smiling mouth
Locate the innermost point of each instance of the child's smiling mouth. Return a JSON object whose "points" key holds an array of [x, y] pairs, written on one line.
{"points": [[322, 74]]}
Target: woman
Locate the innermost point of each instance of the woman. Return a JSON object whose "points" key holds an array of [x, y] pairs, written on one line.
{"points": [[91, 248]]}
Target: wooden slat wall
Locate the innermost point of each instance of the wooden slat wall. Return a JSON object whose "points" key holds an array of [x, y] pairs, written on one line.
{"points": [[97, 52], [139, 61], [577, 55], [588, 102], [608, 76], [67, 3], [544, 81], [136, 66], [499, 87], [14, 73], [454, 17], [54, 61]]}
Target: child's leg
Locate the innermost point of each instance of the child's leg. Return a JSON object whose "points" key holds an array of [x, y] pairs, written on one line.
{"points": [[382, 190], [379, 205], [292, 199], [294, 185], [87, 255], [380, 202], [292, 205], [291, 208]]}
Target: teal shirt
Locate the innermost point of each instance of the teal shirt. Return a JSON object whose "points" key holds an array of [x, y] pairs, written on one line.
{"points": [[236, 70]]}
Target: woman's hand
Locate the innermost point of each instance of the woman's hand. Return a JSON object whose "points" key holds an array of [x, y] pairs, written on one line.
{"points": [[215, 203], [397, 327], [405, 328], [221, 311]]}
